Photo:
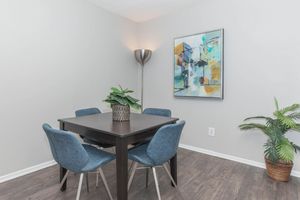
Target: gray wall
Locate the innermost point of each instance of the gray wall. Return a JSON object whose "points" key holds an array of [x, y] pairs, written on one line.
{"points": [[60, 55], [262, 47], [55, 56]]}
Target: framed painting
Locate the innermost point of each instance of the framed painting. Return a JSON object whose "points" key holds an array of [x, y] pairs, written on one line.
{"points": [[198, 65]]}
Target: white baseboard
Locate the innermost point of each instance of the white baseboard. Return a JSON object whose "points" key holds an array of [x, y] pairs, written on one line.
{"points": [[230, 157], [35, 168], [28, 170]]}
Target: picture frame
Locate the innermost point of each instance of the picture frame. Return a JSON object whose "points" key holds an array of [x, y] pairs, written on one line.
{"points": [[199, 65]]}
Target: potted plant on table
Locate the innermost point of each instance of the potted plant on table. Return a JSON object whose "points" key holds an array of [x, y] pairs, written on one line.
{"points": [[120, 102], [279, 151]]}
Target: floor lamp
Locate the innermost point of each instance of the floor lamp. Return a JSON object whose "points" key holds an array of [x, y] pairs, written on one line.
{"points": [[142, 56]]}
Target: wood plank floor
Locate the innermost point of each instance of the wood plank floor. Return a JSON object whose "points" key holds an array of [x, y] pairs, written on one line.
{"points": [[201, 177]]}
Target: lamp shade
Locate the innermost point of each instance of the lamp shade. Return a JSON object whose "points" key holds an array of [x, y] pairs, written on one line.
{"points": [[142, 56]]}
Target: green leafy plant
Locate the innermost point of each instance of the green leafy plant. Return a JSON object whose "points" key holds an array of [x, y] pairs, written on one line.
{"points": [[278, 148], [121, 96]]}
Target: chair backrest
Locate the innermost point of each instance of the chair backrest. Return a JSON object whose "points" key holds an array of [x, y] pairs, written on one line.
{"points": [[164, 143], [158, 111], [87, 111], [66, 149]]}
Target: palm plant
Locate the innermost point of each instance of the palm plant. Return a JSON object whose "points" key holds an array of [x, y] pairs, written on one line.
{"points": [[120, 96], [278, 149]]}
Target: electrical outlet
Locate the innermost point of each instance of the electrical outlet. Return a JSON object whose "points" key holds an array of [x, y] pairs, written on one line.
{"points": [[211, 131]]}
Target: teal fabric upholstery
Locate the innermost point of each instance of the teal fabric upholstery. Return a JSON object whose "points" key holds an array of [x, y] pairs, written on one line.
{"points": [[87, 111], [97, 158], [70, 154], [139, 154], [158, 111], [161, 148]]}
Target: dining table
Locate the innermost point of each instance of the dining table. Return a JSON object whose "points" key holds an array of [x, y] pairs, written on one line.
{"points": [[101, 128]]}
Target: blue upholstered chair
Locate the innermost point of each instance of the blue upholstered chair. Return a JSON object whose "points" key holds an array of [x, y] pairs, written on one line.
{"points": [[70, 154], [159, 112], [86, 112], [157, 152]]}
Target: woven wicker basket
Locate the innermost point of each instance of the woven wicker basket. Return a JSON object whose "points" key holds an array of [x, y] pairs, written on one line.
{"points": [[279, 171], [120, 112]]}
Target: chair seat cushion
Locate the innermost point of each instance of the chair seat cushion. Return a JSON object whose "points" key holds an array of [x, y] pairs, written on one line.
{"points": [[97, 157], [139, 154]]}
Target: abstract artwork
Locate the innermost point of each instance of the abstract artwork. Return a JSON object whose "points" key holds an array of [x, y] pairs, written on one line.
{"points": [[198, 65]]}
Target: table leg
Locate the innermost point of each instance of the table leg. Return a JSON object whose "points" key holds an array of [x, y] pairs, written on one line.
{"points": [[62, 171], [122, 168], [173, 167]]}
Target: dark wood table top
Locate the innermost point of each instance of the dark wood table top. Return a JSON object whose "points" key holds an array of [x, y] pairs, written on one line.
{"points": [[103, 122]]}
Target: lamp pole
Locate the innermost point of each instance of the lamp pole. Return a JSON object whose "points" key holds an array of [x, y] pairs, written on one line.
{"points": [[142, 89], [142, 56]]}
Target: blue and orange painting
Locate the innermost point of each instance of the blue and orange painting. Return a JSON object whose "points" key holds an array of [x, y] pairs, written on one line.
{"points": [[198, 65]]}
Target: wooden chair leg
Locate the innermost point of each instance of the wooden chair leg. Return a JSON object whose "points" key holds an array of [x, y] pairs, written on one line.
{"points": [[156, 183], [147, 177], [105, 183], [87, 182], [134, 167], [170, 176], [64, 179], [79, 186]]}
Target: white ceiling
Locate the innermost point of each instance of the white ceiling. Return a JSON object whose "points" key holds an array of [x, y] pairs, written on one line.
{"points": [[143, 10]]}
